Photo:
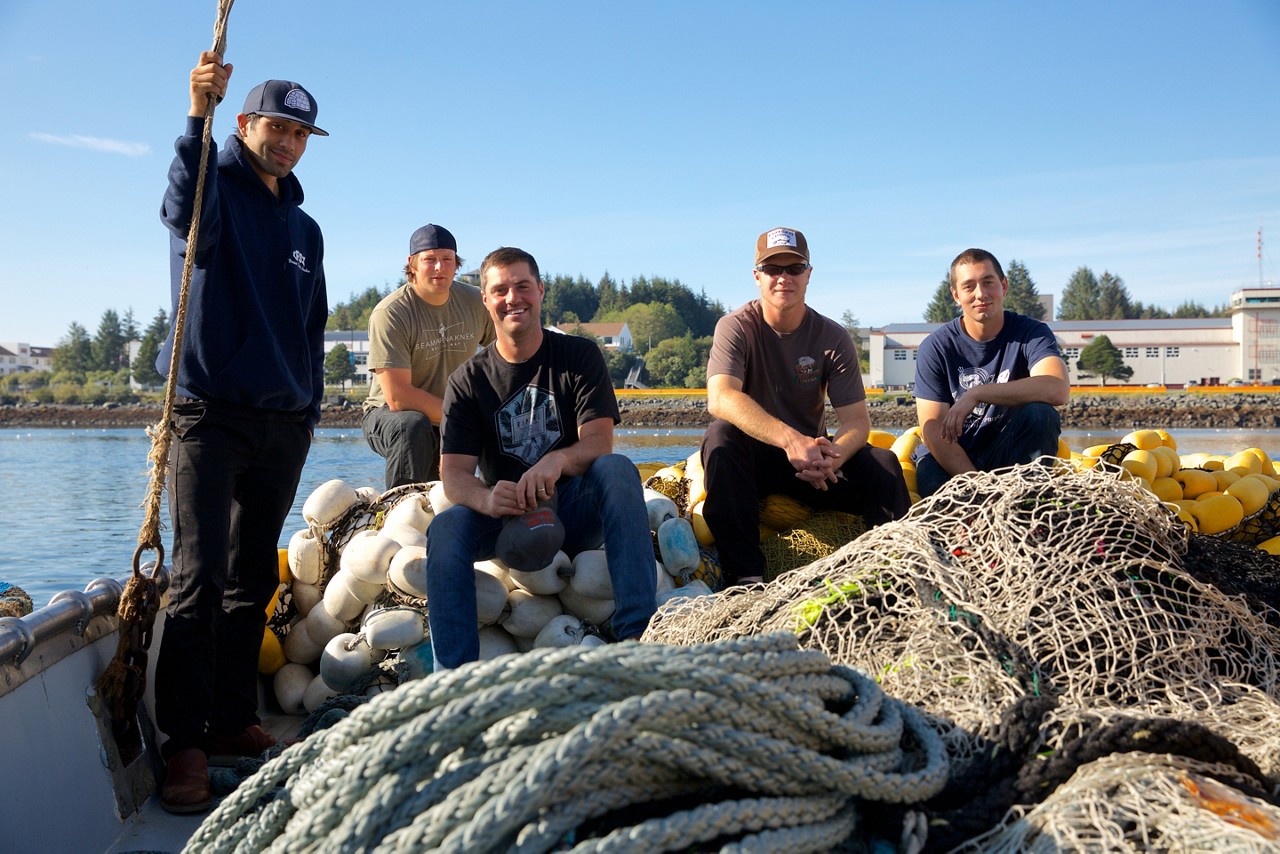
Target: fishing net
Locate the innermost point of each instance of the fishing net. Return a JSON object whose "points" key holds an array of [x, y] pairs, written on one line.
{"points": [[1036, 591], [1262, 525], [14, 601], [359, 517], [675, 488], [1143, 802], [818, 536]]}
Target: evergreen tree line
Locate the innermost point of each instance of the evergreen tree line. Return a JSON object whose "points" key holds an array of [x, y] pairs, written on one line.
{"points": [[96, 368], [1085, 297], [671, 328], [671, 325]]}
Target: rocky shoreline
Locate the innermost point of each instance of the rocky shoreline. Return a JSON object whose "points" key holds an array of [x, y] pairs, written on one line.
{"points": [[889, 412]]}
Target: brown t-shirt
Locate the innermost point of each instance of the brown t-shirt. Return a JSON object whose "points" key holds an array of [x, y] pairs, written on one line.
{"points": [[790, 374], [430, 340]]}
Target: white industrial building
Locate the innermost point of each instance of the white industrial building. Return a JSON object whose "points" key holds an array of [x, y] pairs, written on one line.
{"points": [[1242, 347]]}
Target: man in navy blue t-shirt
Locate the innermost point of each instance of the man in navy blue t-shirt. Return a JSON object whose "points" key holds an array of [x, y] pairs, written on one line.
{"points": [[987, 382]]}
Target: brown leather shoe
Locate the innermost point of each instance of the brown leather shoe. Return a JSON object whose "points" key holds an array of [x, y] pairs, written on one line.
{"points": [[186, 782], [228, 749]]}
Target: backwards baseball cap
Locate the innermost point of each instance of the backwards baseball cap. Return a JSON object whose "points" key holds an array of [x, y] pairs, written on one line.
{"points": [[432, 237], [529, 542], [282, 99], [781, 241]]}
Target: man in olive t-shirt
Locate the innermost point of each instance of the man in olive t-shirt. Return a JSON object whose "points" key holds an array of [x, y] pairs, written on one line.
{"points": [[774, 363], [418, 335]]}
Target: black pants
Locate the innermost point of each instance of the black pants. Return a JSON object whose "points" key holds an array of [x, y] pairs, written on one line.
{"points": [[233, 475], [408, 441], [740, 471]]}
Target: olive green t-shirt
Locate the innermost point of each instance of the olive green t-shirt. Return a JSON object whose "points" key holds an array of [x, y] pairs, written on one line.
{"points": [[430, 340]]}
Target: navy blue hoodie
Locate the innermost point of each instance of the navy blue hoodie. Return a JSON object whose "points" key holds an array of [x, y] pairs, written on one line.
{"points": [[254, 334]]}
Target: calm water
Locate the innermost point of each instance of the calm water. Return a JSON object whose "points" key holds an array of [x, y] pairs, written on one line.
{"points": [[72, 499]]}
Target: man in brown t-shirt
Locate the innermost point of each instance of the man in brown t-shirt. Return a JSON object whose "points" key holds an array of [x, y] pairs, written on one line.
{"points": [[774, 363]]}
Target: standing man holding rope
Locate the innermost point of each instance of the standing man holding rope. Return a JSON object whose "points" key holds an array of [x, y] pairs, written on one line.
{"points": [[249, 385]]}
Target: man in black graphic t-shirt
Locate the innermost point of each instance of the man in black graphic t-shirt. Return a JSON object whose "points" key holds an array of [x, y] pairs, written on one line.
{"points": [[535, 411]]}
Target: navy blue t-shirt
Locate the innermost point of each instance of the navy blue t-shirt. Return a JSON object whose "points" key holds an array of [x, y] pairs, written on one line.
{"points": [[949, 363]]}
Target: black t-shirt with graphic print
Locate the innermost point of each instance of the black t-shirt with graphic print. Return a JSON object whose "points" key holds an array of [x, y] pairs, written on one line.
{"points": [[510, 415]]}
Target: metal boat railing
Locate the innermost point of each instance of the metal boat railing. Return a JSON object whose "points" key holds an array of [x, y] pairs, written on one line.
{"points": [[68, 611]]}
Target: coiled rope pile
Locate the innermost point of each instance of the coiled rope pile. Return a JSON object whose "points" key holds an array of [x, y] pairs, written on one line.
{"points": [[751, 744], [1027, 610]]}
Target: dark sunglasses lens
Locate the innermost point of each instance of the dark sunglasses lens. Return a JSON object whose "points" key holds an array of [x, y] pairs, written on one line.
{"points": [[778, 270]]}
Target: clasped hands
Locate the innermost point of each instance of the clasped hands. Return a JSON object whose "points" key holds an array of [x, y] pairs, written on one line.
{"points": [[814, 460]]}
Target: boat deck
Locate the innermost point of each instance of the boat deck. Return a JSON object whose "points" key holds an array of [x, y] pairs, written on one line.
{"points": [[153, 829]]}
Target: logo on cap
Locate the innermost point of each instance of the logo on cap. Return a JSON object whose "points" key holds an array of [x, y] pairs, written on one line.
{"points": [[780, 237], [298, 100]]}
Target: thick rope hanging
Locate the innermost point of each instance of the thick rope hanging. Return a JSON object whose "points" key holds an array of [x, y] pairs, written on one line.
{"points": [[124, 680], [149, 535]]}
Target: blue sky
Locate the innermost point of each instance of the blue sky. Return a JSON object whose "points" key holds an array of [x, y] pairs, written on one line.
{"points": [[660, 138]]}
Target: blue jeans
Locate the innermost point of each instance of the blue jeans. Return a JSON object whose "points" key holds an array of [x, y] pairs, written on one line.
{"points": [[606, 500], [408, 441], [1031, 431]]}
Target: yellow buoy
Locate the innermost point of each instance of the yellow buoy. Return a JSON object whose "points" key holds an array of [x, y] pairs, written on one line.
{"points": [[1189, 520], [1272, 483], [1224, 479], [1166, 489], [881, 439], [675, 472], [1144, 440], [909, 475], [1170, 457], [1262, 456], [1195, 482], [270, 654], [1167, 440], [1140, 464], [1271, 546], [647, 470], [697, 477], [905, 445], [1245, 460], [782, 512], [1094, 451], [701, 532], [1217, 514], [1251, 492], [1064, 450]]}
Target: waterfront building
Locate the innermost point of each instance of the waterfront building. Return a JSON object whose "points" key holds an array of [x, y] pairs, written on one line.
{"points": [[1241, 348]]}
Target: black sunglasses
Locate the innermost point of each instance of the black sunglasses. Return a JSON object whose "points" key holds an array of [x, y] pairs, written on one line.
{"points": [[778, 269]]}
